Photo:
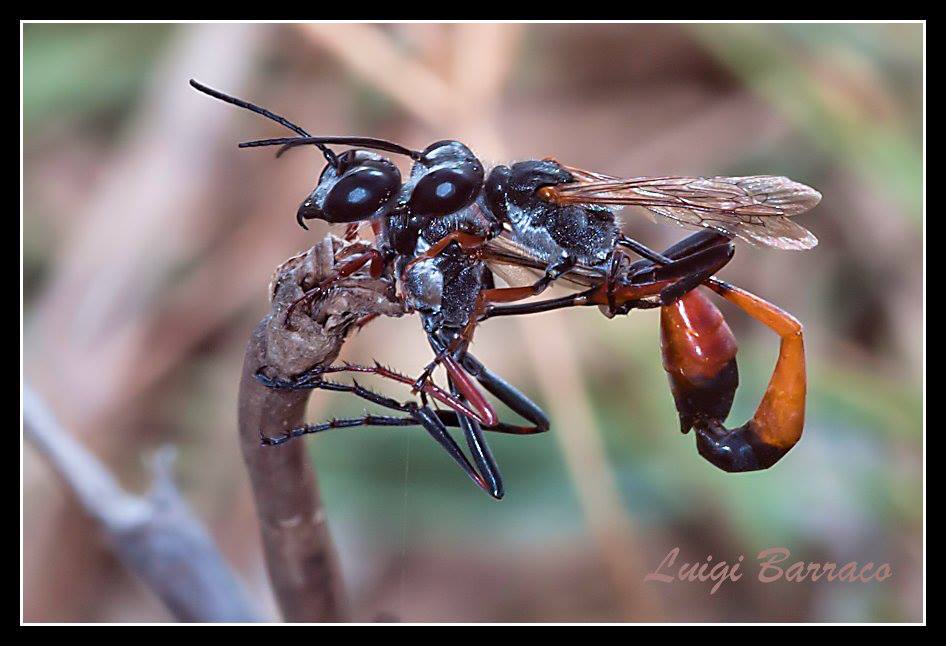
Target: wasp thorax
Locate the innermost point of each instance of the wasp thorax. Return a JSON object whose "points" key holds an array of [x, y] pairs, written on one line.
{"points": [[528, 177], [423, 287], [446, 178], [358, 187], [521, 184]]}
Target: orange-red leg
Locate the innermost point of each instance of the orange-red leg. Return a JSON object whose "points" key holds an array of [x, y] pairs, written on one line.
{"points": [[489, 297], [475, 405], [467, 242], [699, 353], [351, 231], [343, 270]]}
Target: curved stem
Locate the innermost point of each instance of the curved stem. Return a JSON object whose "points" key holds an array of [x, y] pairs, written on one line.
{"points": [[300, 555]]}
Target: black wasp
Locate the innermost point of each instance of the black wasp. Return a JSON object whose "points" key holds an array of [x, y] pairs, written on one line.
{"points": [[449, 227]]}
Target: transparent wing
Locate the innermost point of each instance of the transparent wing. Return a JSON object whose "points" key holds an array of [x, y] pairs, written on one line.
{"points": [[516, 265], [755, 208]]}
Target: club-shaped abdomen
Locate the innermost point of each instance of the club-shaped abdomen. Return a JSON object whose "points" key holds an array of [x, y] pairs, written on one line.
{"points": [[361, 187], [699, 354]]}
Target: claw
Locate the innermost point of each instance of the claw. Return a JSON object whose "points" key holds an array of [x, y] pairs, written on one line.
{"points": [[305, 381]]}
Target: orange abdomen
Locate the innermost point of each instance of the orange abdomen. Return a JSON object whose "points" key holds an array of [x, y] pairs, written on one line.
{"points": [[699, 355]]}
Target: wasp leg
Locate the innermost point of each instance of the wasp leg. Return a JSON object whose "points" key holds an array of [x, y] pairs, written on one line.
{"points": [[466, 242], [314, 379], [667, 276], [699, 356], [305, 381], [473, 404], [507, 394], [446, 352], [485, 474], [686, 272], [691, 244], [433, 424], [448, 417], [460, 367], [365, 320], [451, 419], [482, 457], [577, 299], [365, 420], [376, 259], [553, 272], [417, 416], [351, 231], [493, 383], [692, 261]]}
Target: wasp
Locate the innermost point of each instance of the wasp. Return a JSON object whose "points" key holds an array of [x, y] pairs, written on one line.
{"points": [[446, 231]]}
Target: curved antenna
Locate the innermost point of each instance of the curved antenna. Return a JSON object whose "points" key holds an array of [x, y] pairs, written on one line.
{"points": [[246, 105], [360, 142]]}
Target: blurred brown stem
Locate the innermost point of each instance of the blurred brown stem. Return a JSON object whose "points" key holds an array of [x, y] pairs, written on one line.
{"points": [[300, 555]]}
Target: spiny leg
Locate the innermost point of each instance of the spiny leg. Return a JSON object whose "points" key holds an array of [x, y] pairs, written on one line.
{"points": [[343, 270], [434, 422], [418, 416], [699, 356], [493, 383], [365, 420], [314, 379], [445, 353], [448, 417]]}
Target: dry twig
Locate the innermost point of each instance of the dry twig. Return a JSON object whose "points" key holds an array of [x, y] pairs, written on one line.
{"points": [[303, 567], [157, 536]]}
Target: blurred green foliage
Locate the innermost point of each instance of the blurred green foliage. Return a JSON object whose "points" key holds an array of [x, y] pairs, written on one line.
{"points": [[822, 78], [74, 71]]}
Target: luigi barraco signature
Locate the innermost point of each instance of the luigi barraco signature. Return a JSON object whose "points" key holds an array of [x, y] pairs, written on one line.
{"points": [[772, 568]]}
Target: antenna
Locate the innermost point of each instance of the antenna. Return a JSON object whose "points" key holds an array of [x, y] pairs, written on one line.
{"points": [[360, 142], [246, 105]]}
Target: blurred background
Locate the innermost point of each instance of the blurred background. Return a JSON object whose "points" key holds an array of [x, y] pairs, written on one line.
{"points": [[149, 239]]}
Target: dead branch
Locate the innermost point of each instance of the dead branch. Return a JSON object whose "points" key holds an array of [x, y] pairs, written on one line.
{"points": [[157, 536], [300, 557]]}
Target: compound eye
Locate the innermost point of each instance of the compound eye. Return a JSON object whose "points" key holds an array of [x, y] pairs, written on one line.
{"points": [[445, 151], [447, 190], [361, 192]]}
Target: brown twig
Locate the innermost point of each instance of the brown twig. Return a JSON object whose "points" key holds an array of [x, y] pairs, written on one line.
{"points": [[300, 557], [157, 536]]}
